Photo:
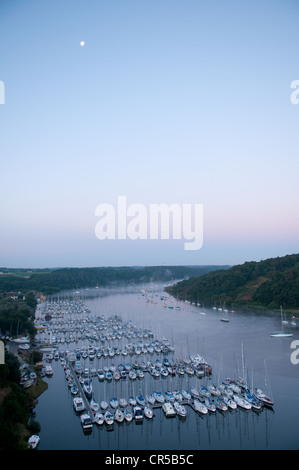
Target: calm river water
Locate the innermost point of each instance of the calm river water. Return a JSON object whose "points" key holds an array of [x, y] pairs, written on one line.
{"points": [[190, 332]]}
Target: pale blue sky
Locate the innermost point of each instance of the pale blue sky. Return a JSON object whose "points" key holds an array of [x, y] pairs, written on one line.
{"points": [[168, 101]]}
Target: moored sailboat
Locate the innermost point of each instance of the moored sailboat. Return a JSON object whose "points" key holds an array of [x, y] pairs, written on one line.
{"points": [[99, 418], [180, 409], [108, 418], [148, 412], [242, 402], [200, 407], [282, 333]]}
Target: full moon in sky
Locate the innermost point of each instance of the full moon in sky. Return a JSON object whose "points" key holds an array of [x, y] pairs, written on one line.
{"points": [[82, 43]]}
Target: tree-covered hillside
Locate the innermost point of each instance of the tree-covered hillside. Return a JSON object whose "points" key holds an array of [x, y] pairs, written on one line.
{"points": [[269, 283], [51, 281]]}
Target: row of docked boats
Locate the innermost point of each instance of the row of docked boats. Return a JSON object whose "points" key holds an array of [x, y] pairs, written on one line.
{"points": [[109, 417], [71, 321], [161, 367], [170, 404]]}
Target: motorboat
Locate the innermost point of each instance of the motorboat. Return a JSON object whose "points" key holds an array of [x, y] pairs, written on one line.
{"points": [[78, 404], [168, 409], [33, 441], [138, 413], [86, 422], [48, 370]]}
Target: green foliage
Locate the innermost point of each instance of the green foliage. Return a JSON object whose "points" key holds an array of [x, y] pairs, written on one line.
{"points": [[34, 426], [269, 283], [52, 281], [15, 317], [30, 299], [14, 407]]}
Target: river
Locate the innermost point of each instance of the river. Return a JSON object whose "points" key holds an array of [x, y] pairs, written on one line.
{"points": [[244, 343]]}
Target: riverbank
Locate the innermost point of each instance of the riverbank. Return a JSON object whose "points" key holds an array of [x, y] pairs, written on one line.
{"points": [[17, 403]]}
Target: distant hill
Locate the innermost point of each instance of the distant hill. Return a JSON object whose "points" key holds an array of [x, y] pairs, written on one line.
{"points": [[49, 281], [269, 283]]}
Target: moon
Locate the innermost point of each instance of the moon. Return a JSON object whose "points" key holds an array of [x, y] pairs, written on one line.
{"points": [[82, 43]]}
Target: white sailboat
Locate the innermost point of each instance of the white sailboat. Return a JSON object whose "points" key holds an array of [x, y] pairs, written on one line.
{"points": [[281, 333], [119, 416], [180, 409], [128, 415], [99, 418], [203, 312], [242, 402], [224, 318], [148, 412], [265, 396], [200, 407]]}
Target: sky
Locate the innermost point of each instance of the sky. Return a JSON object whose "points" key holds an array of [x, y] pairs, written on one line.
{"points": [[167, 102]]}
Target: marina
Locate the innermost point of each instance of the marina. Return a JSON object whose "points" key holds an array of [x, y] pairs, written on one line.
{"points": [[122, 370], [143, 355]]}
